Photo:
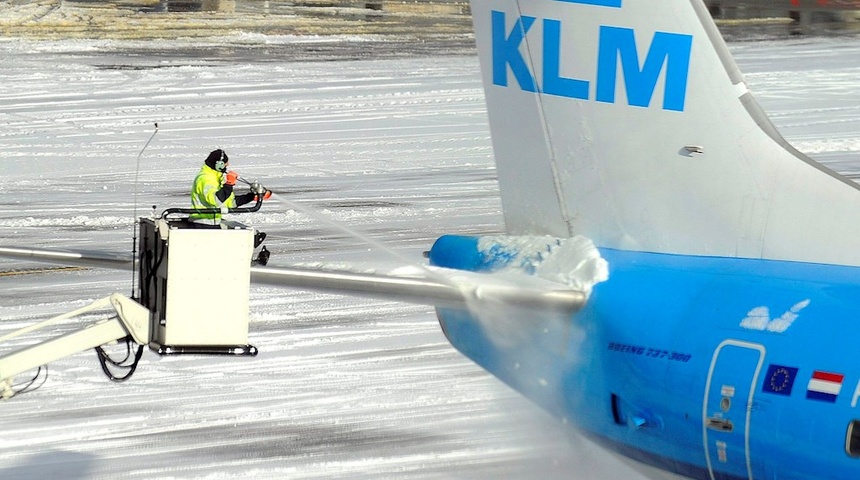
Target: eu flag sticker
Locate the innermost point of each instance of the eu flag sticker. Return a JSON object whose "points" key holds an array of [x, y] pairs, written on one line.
{"points": [[779, 380]]}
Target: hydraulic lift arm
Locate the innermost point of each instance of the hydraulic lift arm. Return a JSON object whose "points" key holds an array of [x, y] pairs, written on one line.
{"points": [[202, 309], [131, 319]]}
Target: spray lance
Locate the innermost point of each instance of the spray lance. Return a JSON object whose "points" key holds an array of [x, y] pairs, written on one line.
{"points": [[260, 191]]}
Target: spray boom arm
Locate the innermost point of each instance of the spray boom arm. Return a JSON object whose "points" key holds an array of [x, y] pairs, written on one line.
{"points": [[166, 317], [130, 320]]}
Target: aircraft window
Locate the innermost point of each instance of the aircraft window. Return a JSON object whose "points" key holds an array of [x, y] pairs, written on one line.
{"points": [[852, 440]]}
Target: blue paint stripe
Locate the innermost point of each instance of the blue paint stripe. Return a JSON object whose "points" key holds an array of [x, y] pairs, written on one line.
{"points": [[821, 396], [831, 274], [599, 3], [668, 464]]}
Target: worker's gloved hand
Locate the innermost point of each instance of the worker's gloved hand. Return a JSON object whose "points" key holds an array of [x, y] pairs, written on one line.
{"points": [[267, 194], [231, 178]]}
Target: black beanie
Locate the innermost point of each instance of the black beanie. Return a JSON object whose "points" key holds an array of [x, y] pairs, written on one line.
{"points": [[214, 157]]}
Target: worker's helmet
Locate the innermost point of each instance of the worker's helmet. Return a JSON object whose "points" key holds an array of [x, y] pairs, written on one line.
{"points": [[217, 160]]}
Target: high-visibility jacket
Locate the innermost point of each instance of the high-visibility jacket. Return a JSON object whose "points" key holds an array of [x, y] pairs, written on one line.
{"points": [[204, 194]]}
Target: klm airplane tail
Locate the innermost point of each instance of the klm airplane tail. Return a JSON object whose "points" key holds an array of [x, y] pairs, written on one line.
{"points": [[628, 122]]}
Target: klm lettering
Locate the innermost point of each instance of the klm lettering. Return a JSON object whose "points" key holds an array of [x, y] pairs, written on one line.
{"points": [[616, 46]]}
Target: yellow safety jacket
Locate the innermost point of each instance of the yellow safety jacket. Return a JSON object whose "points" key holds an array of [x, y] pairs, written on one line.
{"points": [[203, 195]]}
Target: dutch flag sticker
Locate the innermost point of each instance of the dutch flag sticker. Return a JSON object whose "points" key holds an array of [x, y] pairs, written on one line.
{"points": [[824, 386]]}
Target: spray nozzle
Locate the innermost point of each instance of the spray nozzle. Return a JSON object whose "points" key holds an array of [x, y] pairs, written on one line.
{"points": [[254, 186]]}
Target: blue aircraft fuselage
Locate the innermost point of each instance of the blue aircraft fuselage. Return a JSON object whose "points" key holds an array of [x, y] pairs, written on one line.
{"points": [[707, 367]]}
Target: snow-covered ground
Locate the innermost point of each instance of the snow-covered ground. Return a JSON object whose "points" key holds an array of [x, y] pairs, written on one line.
{"points": [[371, 161]]}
